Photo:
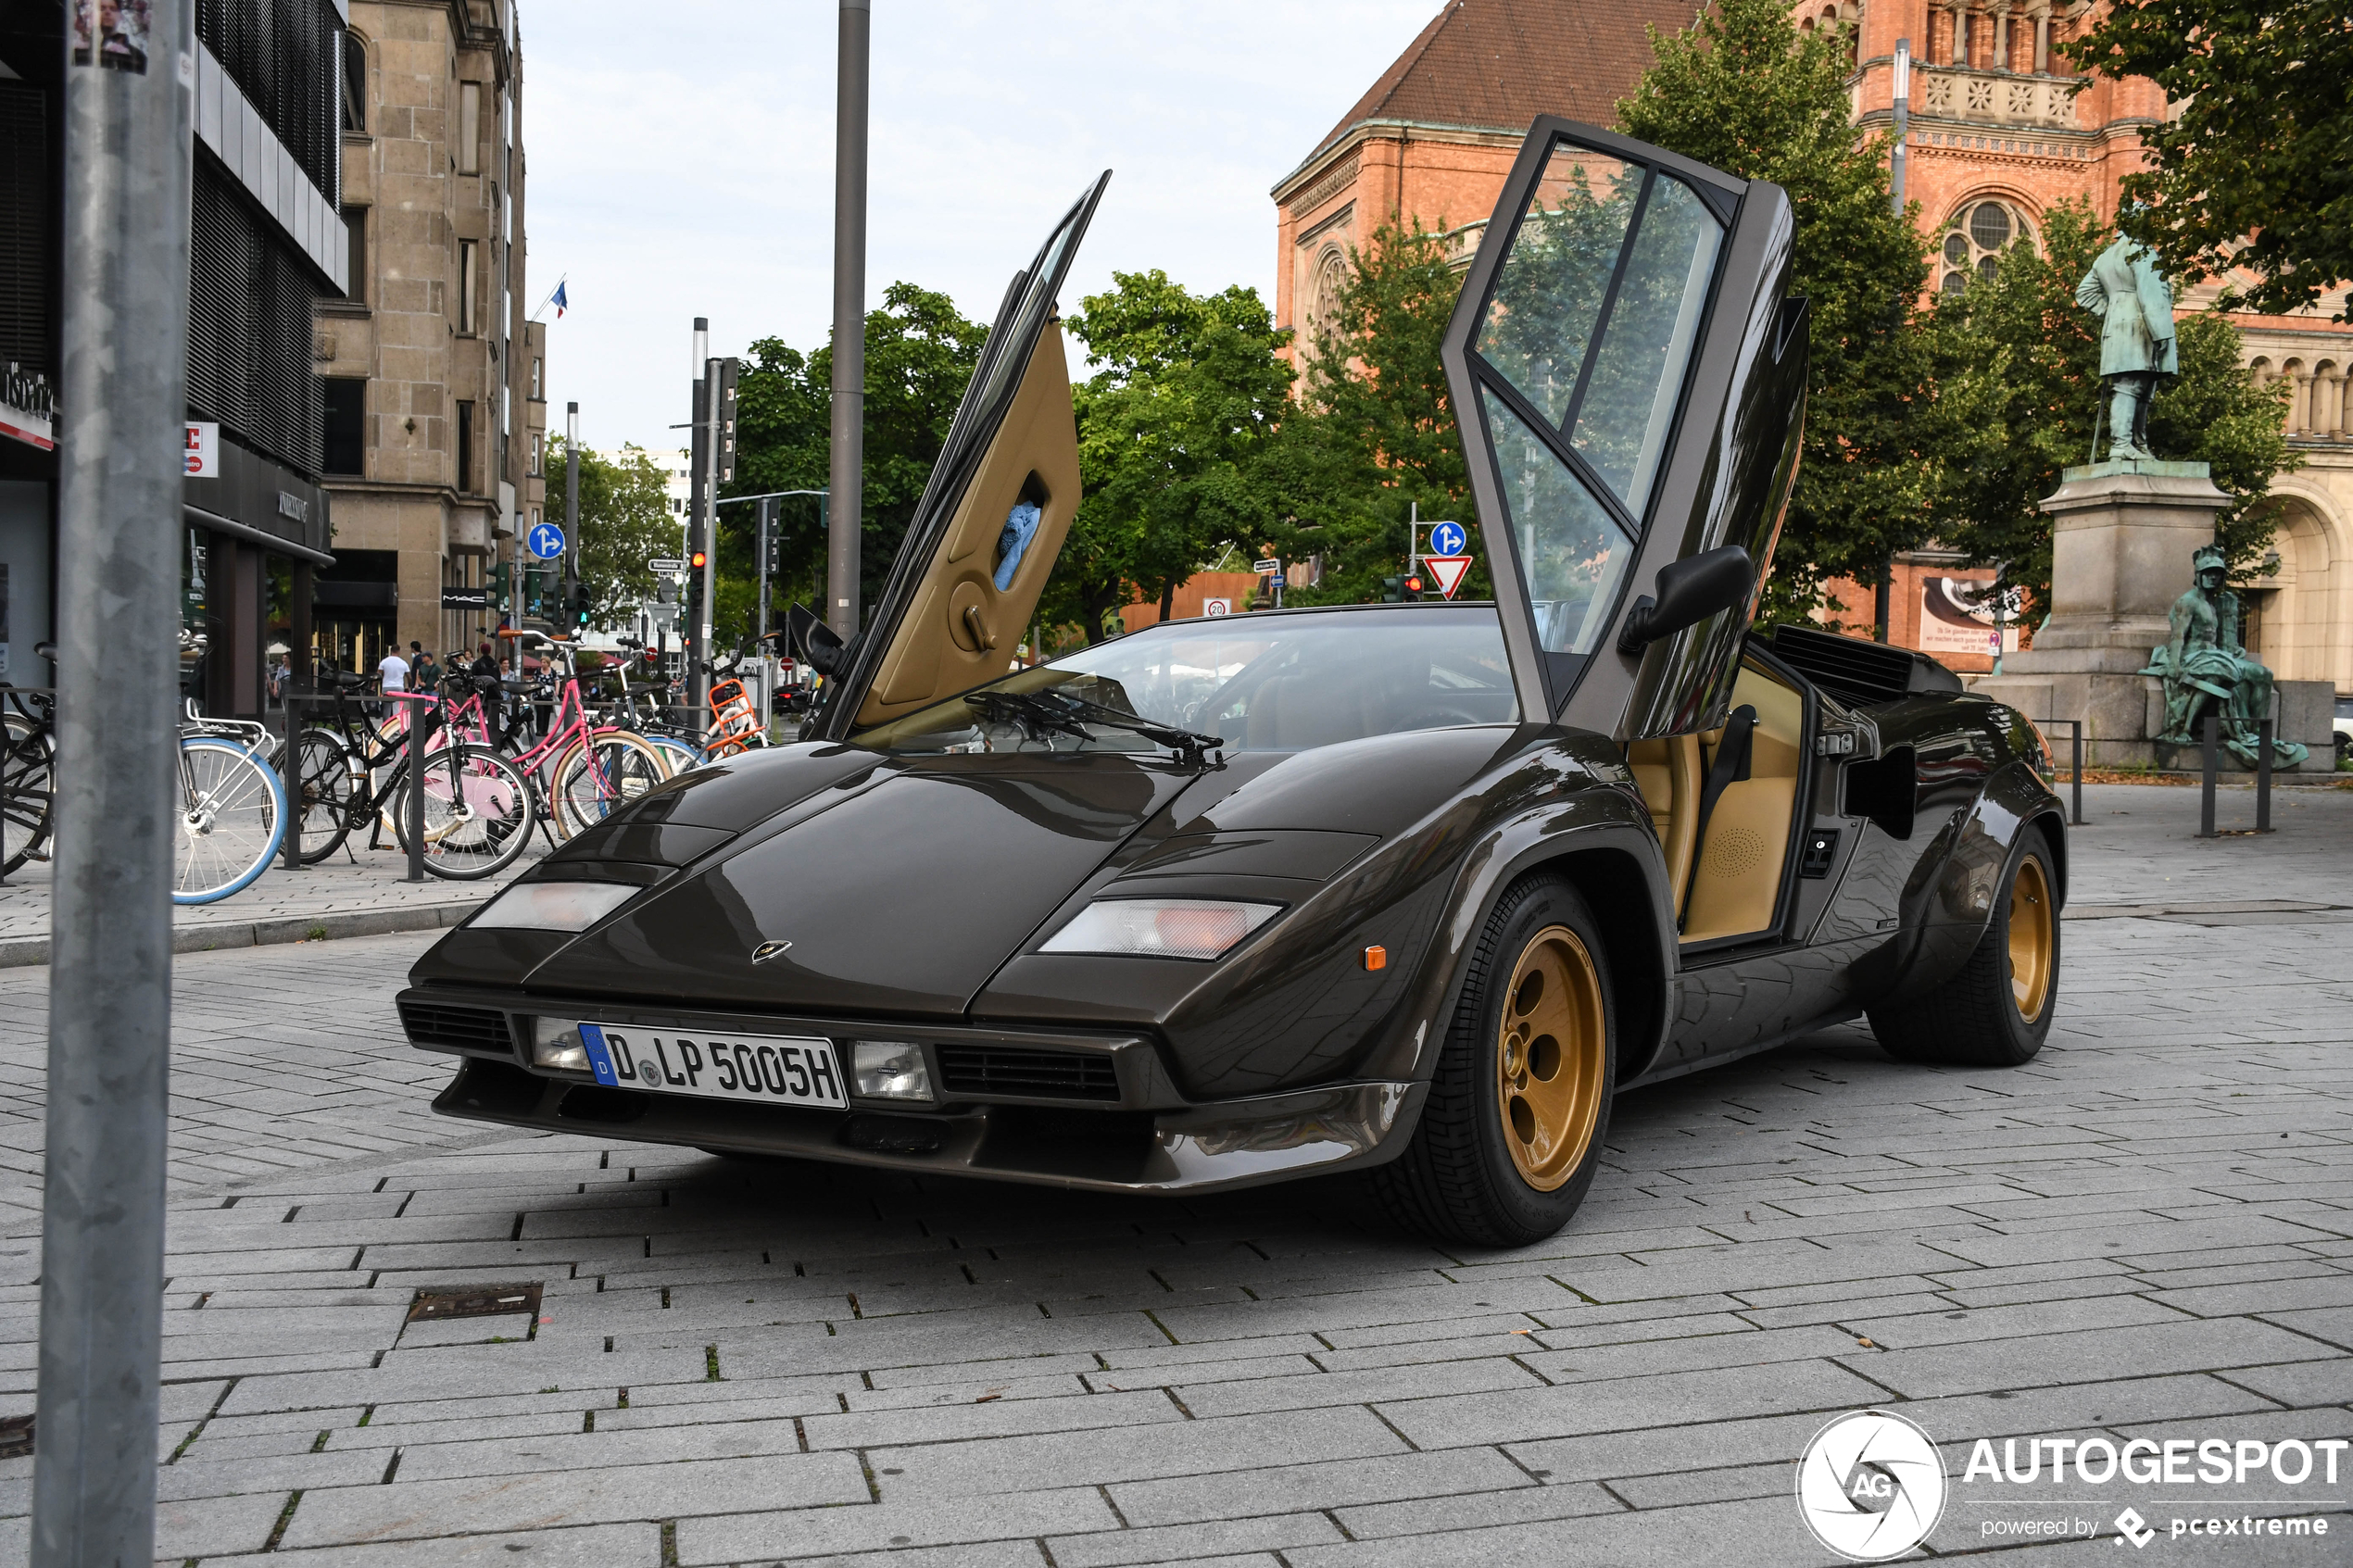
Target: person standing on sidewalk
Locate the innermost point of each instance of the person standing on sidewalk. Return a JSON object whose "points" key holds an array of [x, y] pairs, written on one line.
{"points": [[392, 675], [424, 671]]}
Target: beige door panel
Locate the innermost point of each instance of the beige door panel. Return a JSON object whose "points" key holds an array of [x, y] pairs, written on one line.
{"points": [[961, 630], [1668, 773], [1738, 880]]}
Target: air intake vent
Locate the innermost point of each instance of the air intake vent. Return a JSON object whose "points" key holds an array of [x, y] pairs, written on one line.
{"points": [[479, 1029], [990, 1069], [1859, 671]]}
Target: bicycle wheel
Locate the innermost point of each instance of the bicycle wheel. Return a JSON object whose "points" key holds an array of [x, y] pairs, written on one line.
{"points": [[232, 819], [599, 776], [478, 812], [323, 795], [680, 757], [28, 788]]}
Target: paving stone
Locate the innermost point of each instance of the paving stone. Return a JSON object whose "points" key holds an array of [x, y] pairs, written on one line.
{"points": [[420, 1509], [2027, 1361], [1625, 1404], [1291, 1487], [1190, 1542], [917, 1521], [598, 1545]]}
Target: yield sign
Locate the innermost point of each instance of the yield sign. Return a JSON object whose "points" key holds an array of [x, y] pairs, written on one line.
{"points": [[1449, 571]]}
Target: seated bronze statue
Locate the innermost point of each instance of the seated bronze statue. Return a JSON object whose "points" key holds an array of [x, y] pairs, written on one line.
{"points": [[2206, 668]]}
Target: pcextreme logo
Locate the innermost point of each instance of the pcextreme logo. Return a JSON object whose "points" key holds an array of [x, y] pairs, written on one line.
{"points": [[1871, 1486]]}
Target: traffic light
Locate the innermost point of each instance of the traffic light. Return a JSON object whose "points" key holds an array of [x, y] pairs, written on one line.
{"points": [[697, 560], [580, 604], [728, 371], [502, 581], [1393, 589], [1413, 587]]}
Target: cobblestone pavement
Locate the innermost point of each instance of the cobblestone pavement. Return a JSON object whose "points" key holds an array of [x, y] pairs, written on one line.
{"points": [[2145, 1233]]}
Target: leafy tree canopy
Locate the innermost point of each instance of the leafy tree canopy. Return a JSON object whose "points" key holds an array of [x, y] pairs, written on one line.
{"points": [[624, 521], [2256, 169], [1172, 429], [920, 354], [1748, 92], [2017, 372]]}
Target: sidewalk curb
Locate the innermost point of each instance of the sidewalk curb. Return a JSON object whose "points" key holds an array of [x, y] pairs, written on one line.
{"points": [[208, 936]]}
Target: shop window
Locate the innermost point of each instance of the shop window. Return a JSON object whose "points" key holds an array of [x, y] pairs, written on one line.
{"points": [[346, 404]]}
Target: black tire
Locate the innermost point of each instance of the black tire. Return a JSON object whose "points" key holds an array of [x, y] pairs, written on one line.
{"points": [[28, 789], [1459, 1180], [1977, 1018], [318, 796]]}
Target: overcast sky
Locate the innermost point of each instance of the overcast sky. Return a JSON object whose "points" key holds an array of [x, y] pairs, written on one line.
{"points": [[681, 160]]}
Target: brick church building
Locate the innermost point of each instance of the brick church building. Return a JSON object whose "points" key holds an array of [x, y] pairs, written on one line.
{"points": [[2001, 130]]}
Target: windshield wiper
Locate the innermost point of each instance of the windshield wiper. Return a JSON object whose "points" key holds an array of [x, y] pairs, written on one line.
{"points": [[1040, 713]]}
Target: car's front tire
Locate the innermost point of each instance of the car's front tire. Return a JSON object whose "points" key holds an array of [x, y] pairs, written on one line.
{"points": [[1996, 1011], [1510, 1133]]}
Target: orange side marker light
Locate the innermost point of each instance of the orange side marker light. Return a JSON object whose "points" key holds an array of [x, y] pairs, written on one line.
{"points": [[1376, 958]]}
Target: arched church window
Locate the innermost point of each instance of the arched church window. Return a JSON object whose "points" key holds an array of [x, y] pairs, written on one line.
{"points": [[1975, 238], [1322, 300]]}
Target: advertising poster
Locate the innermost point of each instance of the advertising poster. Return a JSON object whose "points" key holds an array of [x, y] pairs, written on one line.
{"points": [[1957, 616]]}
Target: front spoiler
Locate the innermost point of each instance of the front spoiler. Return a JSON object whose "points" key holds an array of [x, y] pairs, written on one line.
{"points": [[1201, 1149]]}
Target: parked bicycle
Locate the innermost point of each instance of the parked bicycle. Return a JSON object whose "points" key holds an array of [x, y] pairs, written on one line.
{"points": [[478, 806], [590, 769], [231, 815]]}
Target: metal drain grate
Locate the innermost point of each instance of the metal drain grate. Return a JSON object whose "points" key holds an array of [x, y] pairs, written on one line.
{"points": [[474, 1301]]}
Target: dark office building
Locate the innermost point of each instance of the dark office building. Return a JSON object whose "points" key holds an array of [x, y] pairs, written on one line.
{"points": [[267, 244]]}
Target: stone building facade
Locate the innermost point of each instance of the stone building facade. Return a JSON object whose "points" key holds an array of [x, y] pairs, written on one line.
{"points": [[2002, 129], [436, 388]]}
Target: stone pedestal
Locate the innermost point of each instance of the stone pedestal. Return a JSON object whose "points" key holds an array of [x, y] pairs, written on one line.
{"points": [[2121, 536]]}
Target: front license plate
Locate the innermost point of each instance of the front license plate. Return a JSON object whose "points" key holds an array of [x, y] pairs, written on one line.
{"points": [[775, 1071]]}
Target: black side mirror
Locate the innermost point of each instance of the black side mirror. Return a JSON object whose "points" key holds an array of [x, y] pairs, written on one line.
{"points": [[1689, 592], [813, 641]]}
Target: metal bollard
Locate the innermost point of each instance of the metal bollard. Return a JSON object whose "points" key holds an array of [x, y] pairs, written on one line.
{"points": [[2212, 736], [2263, 776], [2076, 725], [290, 774], [417, 794]]}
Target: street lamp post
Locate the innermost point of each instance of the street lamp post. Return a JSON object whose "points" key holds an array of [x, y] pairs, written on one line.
{"points": [[124, 403], [848, 451], [571, 502], [1903, 118]]}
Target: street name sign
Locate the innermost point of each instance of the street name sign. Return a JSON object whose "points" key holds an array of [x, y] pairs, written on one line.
{"points": [[665, 563], [1268, 568]]}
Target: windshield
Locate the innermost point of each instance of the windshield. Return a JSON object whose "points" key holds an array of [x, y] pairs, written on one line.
{"points": [[1250, 683]]}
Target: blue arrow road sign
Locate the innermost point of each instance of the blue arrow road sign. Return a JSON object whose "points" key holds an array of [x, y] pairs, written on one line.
{"points": [[1446, 539], [546, 541]]}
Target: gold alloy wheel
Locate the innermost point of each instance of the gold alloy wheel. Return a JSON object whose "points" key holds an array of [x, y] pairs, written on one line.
{"points": [[1548, 1058], [2031, 939]]}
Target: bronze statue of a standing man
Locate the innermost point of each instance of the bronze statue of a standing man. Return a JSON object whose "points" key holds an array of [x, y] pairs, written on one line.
{"points": [[2135, 308]]}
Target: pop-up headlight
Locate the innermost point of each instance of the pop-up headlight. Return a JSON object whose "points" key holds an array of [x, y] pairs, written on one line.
{"points": [[889, 1069], [1161, 928], [553, 906]]}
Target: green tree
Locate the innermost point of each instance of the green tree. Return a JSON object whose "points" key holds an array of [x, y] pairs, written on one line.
{"points": [[1748, 92], [2255, 170], [2018, 366], [1374, 435], [920, 354], [624, 521], [1172, 431]]}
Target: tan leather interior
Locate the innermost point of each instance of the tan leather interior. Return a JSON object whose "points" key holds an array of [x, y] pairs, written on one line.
{"points": [[960, 630], [1668, 773], [1738, 879]]}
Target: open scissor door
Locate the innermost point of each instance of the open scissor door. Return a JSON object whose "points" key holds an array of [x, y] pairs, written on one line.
{"points": [[1629, 381], [992, 518]]}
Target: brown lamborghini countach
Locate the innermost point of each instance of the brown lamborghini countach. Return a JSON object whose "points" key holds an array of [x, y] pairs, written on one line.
{"points": [[1410, 888]]}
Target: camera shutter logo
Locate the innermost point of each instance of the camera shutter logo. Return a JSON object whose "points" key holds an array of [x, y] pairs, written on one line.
{"points": [[1871, 1486]]}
